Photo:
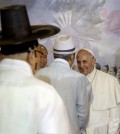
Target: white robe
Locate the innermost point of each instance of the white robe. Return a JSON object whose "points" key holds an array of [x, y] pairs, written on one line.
{"points": [[28, 105], [73, 87], [105, 108]]}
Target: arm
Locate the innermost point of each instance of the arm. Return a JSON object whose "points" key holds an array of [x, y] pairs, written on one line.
{"points": [[83, 102], [114, 112], [114, 120]]}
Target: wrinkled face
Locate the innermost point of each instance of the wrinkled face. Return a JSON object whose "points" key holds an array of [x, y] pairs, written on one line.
{"points": [[32, 60], [37, 58], [41, 55], [85, 62]]}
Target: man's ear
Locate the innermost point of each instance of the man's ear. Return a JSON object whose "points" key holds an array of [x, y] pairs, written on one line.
{"points": [[71, 59], [31, 59], [94, 61]]}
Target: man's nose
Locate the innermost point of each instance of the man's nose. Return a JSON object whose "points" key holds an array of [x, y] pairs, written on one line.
{"points": [[82, 65]]}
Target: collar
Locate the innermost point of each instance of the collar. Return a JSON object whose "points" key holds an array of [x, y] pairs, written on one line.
{"points": [[19, 65], [92, 75], [62, 61]]}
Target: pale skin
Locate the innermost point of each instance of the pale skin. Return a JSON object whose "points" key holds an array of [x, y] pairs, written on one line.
{"points": [[85, 62]]}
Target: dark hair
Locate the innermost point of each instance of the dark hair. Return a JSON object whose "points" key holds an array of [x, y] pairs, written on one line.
{"points": [[98, 66], [18, 48], [115, 70], [62, 56]]}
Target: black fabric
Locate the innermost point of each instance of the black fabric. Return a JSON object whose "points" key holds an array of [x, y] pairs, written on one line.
{"points": [[15, 26], [70, 50], [18, 48]]}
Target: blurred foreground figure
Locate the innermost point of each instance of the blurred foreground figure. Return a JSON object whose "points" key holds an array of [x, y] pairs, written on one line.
{"points": [[105, 108], [73, 87], [27, 105]]}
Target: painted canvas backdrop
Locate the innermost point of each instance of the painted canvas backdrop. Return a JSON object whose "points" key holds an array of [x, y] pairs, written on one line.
{"points": [[93, 24]]}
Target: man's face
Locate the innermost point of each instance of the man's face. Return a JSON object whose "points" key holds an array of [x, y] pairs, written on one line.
{"points": [[41, 56], [85, 62], [38, 58]]}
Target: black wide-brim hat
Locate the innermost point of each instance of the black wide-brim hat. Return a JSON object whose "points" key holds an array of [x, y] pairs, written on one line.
{"points": [[16, 28]]}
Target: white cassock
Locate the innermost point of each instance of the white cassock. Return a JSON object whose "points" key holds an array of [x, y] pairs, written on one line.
{"points": [[105, 108]]}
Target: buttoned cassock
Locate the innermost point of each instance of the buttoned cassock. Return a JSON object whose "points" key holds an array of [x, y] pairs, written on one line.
{"points": [[105, 108], [28, 105], [73, 87]]}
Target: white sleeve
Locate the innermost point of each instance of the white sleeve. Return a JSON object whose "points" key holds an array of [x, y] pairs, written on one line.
{"points": [[84, 101], [114, 120]]}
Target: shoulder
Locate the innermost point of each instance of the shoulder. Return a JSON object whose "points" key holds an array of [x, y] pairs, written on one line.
{"points": [[79, 75], [35, 85], [81, 78], [103, 74], [43, 90], [39, 83], [40, 71], [106, 76]]}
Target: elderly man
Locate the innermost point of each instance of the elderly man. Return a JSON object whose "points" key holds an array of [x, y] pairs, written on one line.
{"points": [[105, 108], [27, 105], [41, 54], [72, 86]]}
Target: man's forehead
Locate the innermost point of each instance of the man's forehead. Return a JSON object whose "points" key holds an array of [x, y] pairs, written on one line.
{"points": [[41, 50], [86, 51], [84, 57]]}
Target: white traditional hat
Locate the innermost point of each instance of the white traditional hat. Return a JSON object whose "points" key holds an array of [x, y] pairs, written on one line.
{"points": [[64, 45], [89, 50]]}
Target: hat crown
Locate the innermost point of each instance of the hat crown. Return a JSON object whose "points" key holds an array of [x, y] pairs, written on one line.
{"points": [[16, 30], [64, 44], [15, 22]]}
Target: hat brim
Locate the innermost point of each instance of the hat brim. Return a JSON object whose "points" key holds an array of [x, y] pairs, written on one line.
{"points": [[55, 52], [38, 31]]}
